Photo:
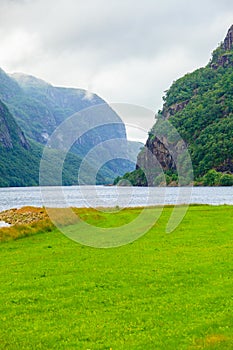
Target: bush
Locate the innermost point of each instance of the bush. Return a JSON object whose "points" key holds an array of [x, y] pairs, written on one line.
{"points": [[226, 180], [212, 178]]}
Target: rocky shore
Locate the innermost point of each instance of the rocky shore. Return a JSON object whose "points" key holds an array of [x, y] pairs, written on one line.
{"points": [[25, 215]]}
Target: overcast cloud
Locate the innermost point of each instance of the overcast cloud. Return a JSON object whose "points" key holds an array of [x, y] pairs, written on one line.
{"points": [[126, 51]]}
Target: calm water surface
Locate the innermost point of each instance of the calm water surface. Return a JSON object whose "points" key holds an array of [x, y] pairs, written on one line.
{"points": [[104, 196]]}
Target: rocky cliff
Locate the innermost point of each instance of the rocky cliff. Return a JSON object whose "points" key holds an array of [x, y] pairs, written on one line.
{"points": [[223, 55], [228, 42]]}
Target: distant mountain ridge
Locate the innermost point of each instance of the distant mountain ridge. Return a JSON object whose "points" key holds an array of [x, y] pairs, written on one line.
{"points": [[39, 108]]}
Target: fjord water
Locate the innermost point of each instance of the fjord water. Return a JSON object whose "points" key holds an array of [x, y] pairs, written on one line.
{"points": [[111, 196]]}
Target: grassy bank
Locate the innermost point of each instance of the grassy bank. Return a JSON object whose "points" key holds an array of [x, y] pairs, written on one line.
{"points": [[164, 291]]}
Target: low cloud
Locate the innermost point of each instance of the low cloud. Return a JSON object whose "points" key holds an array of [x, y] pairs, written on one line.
{"points": [[126, 51]]}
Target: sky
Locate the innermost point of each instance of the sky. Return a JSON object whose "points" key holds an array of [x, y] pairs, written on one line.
{"points": [[126, 51]]}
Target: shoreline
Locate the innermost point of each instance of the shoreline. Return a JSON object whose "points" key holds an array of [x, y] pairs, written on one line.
{"points": [[32, 214]]}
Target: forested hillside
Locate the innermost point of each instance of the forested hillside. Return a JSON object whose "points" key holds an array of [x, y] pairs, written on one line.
{"points": [[200, 107]]}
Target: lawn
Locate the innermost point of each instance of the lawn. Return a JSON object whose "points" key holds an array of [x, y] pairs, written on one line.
{"points": [[163, 291]]}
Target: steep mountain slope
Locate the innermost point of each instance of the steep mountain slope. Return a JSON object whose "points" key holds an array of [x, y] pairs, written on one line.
{"points": [[10, 134], [19, 163], [200, 107], [39, 108], [20, 159], [59, 104]]}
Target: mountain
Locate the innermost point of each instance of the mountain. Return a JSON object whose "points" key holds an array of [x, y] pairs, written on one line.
{"points": [[200, 107], [20, 159], [40, 108]]}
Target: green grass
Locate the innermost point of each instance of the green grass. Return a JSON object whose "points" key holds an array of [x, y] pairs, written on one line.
{"points": [[164, 291]]}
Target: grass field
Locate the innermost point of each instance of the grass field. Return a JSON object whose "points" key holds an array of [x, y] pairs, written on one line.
{"points": [[163, 291]]}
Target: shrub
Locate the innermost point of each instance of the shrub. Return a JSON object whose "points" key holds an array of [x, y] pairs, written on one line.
{"points": [[212, 178], [226, 180]]}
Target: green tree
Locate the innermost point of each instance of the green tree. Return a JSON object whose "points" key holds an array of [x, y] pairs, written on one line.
{"points": [[212, 178]]}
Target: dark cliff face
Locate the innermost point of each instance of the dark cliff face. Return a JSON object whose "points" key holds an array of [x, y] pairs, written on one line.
{"points": [[223, 55], [10, 133], [153, 157], [228, 42], [200, 107]]}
